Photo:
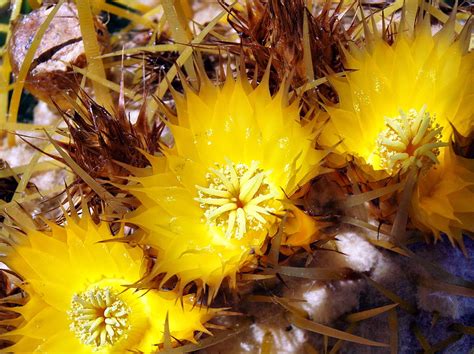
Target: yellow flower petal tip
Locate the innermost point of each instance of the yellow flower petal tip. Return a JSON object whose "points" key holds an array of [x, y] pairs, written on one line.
{"points": [[399, 100], [301, 230], [78, 300], [212, 201], [442, 201]]}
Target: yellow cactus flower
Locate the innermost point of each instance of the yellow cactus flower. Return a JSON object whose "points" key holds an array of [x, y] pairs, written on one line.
{"points": [[397, 105], [396, 111], [211, 202], [77, 299]]}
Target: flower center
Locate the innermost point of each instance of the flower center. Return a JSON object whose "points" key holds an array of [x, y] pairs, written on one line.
{"points": [[237, 198], [409, 139], [99, 317]]}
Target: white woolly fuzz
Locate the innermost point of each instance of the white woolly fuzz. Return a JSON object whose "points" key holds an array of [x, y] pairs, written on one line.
{"points": [[362, 256], [324, 303], [447, 305], [269, 318], [17, 155], [284, 340], [44, 114], [48, 180]]}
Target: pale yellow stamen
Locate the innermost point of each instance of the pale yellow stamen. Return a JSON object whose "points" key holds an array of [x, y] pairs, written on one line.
{"points": [[99, 317], [237, 198], [411, 139]]}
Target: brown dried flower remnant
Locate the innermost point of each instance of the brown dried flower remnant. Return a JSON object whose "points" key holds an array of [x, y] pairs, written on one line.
{"points": [[61, 48], [107, 145], [280, 32]]}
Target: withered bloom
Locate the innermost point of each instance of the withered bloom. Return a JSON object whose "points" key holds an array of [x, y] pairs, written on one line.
{"points": [[105, 145], [280, 31]]}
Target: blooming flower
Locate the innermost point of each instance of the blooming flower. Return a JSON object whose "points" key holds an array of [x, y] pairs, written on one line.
{"points": [[396, 111], [77, 301], [211, 202], [396, 106]]}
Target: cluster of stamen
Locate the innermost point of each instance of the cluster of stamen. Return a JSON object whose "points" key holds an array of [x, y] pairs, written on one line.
{"points": [[411, 139], [237, 198], [99, 317]]}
